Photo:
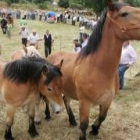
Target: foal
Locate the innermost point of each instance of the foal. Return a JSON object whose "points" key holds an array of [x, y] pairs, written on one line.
{"points": [[21, 82]]}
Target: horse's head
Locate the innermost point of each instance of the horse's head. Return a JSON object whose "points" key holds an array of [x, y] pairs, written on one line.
{"points": [[51, 86], [125, 20]]}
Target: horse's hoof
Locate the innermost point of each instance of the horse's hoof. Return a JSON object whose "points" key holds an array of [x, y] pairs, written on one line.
{"points": [[9, 138], [82, 138], [74, 123], [38, 123], [94, 131], [47, 118], [33, 133]]}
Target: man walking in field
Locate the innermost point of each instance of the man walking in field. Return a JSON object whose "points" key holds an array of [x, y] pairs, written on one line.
{"points": [[48, 40], [24, 33]]}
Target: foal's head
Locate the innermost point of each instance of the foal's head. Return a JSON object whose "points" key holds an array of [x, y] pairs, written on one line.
{"points": [[51, 86], [40, 74], [125, 20]]}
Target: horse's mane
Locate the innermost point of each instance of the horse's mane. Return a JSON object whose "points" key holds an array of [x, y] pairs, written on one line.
{"points": [[29, 69], [96, 36]]}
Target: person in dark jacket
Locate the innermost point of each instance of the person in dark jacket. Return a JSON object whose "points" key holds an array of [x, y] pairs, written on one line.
{"points": [[4, 25], [48, 40]]}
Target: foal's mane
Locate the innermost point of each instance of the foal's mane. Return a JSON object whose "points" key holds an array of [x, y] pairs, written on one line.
{"points": [[29, 69], [96, 36]]}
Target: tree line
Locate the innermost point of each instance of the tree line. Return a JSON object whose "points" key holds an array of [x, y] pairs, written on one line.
{"points": [[96, 5]]}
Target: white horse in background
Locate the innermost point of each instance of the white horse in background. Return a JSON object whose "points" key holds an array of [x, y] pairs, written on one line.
{"points": [[29, 51]]}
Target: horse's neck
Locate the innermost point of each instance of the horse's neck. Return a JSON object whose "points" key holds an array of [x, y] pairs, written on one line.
{"points": [[109, 52]]}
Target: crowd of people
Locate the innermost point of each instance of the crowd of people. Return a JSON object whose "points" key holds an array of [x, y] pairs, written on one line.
{"points": [[70, 17]]}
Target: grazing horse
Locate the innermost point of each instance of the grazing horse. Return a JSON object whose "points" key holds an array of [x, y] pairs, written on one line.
{"points": [[89, 76], [20, 83]]}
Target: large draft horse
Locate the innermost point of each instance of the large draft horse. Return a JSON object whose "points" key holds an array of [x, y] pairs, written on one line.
{"points": [[20, 83], [89, 77]]}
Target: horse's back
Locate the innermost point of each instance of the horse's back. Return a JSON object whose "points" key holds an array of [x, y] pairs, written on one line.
{"points": [[17, 54]]}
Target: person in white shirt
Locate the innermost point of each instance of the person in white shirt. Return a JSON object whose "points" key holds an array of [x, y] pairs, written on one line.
{"points": [[85, 37], [33, 39], [77, 46], [128, 58], [24, 33]]}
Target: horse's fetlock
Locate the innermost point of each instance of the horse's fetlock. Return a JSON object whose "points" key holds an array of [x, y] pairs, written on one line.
{"points": [[94, 130]]}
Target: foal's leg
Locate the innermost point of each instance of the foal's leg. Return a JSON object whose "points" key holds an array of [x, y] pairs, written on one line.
{"points": [[37, 118], [10, 111], [47, 111], [69, 111], [102, 115], [32, 129], [84, 109]]}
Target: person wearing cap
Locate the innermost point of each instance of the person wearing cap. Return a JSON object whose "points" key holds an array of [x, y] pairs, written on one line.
{"points": [[128, 58], [24, 33], [77, 46], [33, 39]]}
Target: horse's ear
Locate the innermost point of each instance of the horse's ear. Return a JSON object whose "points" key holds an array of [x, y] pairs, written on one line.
{"points": [[45, 70], [59, 65], [110, 5], [25, 49]]}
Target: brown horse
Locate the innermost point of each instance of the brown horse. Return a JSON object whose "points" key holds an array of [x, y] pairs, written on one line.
{"points": [[21, 81], [89, 77], [32, 51]]}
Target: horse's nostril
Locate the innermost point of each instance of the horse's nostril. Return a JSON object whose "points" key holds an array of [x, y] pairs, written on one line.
{"points": [[57, 112], [50, 89]]}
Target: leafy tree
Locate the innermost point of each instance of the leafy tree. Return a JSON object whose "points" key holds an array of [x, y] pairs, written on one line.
{"points": [[63, 3]]}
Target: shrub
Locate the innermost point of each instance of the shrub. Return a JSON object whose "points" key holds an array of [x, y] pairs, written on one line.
{"points": [[24, 1], [63, 3], [76, 6], [42, 6]]}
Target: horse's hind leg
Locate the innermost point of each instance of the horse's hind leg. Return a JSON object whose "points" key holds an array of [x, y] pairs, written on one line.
{"points": [[84, 109], [10, 111], [32, 129], [69, 111], [102, 115]]}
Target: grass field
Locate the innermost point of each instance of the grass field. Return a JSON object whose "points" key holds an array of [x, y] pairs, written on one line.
{"points": [[123, 120]]}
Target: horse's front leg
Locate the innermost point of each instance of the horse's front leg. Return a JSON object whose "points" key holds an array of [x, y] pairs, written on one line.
{"points": [[37, 118], [10, 111], [84, 109], [69, 111], [102, 115], [32, 129], [47, 110]]}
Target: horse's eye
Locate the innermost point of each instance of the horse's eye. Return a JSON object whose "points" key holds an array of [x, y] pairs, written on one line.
{"points": [[125, 14], [50, 89]]}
